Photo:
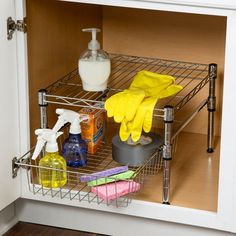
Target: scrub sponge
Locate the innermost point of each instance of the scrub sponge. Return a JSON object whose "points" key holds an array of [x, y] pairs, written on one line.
{"points": [[122, 176], [104, 173], [114, 190]]}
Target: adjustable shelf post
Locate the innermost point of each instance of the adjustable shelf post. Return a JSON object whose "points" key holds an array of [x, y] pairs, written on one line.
{"points": [[42, 108], [211, 106], [167, 156]]}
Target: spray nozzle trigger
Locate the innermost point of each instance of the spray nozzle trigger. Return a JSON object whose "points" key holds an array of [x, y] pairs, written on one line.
{"points": [[72, 117], [46, 136]]}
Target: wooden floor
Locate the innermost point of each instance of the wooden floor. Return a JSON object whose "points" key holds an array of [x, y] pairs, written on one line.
{"points": [[27, 229], [194, 175]]}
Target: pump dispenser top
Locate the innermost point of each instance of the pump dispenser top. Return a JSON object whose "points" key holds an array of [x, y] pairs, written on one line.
{"points": [[93, 45], [94, 65], [74, 148]]}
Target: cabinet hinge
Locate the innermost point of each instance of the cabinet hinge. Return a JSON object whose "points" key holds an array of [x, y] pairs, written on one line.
{"points": [[23, 162], [15, 167], [12, 26]]}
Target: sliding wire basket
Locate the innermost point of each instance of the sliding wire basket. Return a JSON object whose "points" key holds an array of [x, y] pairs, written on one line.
{"points": [[119, 193]]}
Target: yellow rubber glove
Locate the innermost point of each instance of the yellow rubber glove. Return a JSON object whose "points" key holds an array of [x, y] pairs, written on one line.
{"points": [[147, 122], [124, 132], [144, 115], [151, 83], [124, 105]]}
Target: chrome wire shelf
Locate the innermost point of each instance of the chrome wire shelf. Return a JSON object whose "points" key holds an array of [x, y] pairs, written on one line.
{"points": [[68, 91], [192, 76], [75, 189]]}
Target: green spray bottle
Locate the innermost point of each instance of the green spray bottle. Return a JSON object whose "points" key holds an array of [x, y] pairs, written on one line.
{"points": [[52, 167]]}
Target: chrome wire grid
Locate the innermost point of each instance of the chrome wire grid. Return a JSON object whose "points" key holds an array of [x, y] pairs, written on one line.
{"points": [[77, 190], [68, 91], [192, 76]]}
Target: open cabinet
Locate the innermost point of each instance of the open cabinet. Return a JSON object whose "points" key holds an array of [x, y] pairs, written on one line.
{"points": [[141, 35]]}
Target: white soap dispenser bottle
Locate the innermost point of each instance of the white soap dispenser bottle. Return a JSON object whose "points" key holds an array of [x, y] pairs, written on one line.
{"points": [[94, 65]]}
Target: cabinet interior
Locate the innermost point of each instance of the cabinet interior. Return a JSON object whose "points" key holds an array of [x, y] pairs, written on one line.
{"points": [[55, 42]]}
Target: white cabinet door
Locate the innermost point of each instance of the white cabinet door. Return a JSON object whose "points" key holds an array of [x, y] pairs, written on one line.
{"points": [[9, 108]]}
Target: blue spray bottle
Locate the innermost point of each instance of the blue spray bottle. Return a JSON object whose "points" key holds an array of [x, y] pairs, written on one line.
{"points": [[74, 148]]}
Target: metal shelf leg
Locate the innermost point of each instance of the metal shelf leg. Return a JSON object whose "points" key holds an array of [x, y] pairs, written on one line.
{"points": [[42, 108], [167, 156], [211, 106]]}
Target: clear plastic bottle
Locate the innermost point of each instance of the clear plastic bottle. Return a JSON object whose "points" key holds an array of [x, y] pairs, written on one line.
{"points": [[74, 150], [52, 178], [52, 167], [94, 65]]}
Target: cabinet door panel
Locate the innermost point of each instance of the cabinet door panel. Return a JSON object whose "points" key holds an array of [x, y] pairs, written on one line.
{"points": [[9, 120]]}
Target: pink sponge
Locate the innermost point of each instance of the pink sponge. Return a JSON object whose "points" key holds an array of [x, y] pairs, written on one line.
{"points": [[112, 191]]}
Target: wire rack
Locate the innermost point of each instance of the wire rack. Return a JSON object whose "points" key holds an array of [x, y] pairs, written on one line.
{"points": [[68, 91], [75, 189], [192, 76]]}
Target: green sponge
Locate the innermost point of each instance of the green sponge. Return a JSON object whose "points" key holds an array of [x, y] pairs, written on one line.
{"points": [[122, 176]]}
